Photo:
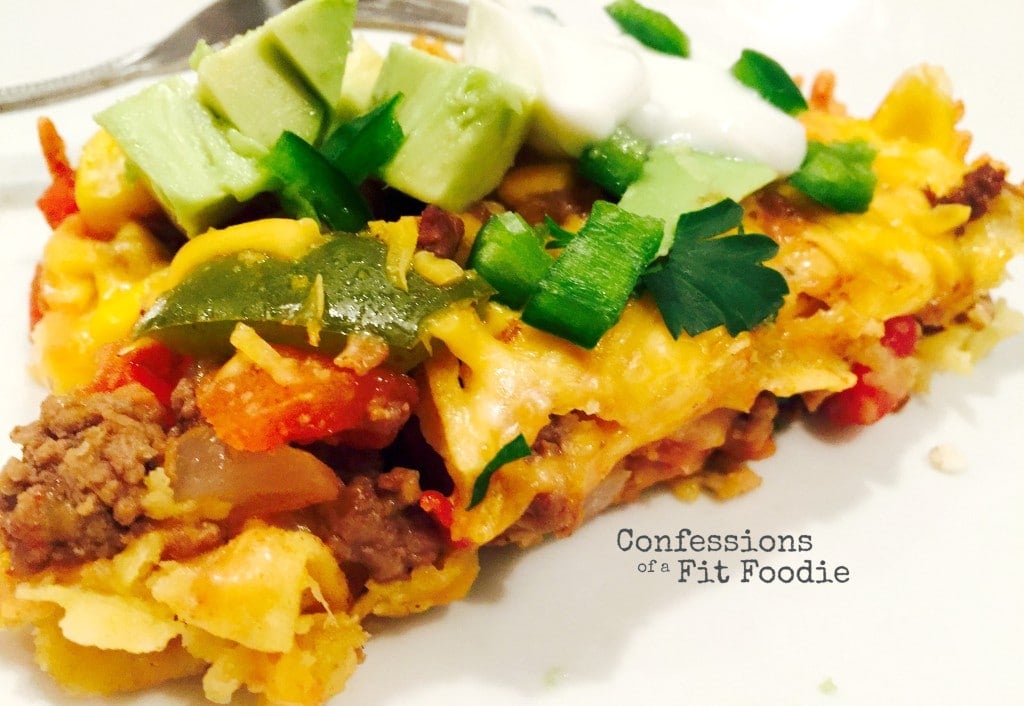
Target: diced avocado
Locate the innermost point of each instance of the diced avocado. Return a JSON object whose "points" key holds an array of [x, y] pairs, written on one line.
{"points": [[285, 75], [361, 72], [190, 161], [676, 179], [463, 127], [252, 85], [315, 36]]}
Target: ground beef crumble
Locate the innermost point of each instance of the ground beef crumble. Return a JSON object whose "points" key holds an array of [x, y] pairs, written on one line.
{"points": [[440, 232], [721, 439], [979, 188], [184, 405], [77, 490], [377, 528], [76, 493]]}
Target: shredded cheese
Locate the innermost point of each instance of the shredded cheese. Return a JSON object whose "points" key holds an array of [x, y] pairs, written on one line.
{"points": [[284, 371]]}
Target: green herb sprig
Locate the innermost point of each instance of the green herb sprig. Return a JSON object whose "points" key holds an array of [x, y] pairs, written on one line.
{"points": [[512, 451], [707, 281]]}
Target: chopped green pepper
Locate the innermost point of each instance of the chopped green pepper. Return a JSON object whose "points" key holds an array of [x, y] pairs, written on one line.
{"points": [[838, 175], [652, 28], [509, 254], [309, 186], [585, 290], [556, 236], [767, 77], [362, 146], [614, 162], [276, 297]]}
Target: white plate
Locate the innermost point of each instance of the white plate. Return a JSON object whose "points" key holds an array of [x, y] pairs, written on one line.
{"points": [[930, 613]]}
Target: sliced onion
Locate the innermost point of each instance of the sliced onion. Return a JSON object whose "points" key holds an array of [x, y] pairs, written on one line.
{"points": [[254, 483]]}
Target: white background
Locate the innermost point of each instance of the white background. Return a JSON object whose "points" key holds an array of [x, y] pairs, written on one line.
{"points": [[931, 614]]}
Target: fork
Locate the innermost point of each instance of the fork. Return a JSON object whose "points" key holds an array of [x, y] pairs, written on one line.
{"points": [[217, 24]]}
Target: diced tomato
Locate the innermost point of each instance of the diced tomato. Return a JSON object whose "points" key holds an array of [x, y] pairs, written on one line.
{"points": [[153, 365], [437, 506], [250, 410], [866, 403], [901, 335], [440, 507], [861, 404], [58, 201]]}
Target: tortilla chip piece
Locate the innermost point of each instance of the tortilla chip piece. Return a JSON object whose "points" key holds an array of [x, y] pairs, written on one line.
{"points": [[90, 670], [731, 484], [14, 612], [253, 589], [325, 654], [99, 620], [427, 587]]}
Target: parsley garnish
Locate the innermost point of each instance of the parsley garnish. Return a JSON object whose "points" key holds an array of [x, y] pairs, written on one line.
{"points": [[703, 282], [767, 77], [707, 281], [512, 451], [651, 28]]}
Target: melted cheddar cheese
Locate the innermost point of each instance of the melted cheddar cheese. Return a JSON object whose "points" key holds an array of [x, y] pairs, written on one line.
{"points": [[494, 377]]}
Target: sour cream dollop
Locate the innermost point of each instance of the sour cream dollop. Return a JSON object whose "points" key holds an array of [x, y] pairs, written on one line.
{"points": [[586, 85]]}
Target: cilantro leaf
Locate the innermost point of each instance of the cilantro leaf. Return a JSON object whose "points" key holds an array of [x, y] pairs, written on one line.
{"points": [[512, 451], [651, 28], [707, 281]]}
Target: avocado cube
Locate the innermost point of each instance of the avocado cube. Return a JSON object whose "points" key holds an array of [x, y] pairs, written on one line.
{"points": [[463, 126], [188, 159], [251, 84], [315, 36], [676, 179], [361, 71], [285, 75]]}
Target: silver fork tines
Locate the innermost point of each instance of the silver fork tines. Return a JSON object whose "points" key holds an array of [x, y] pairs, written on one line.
{"points": [[217, 24]]}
